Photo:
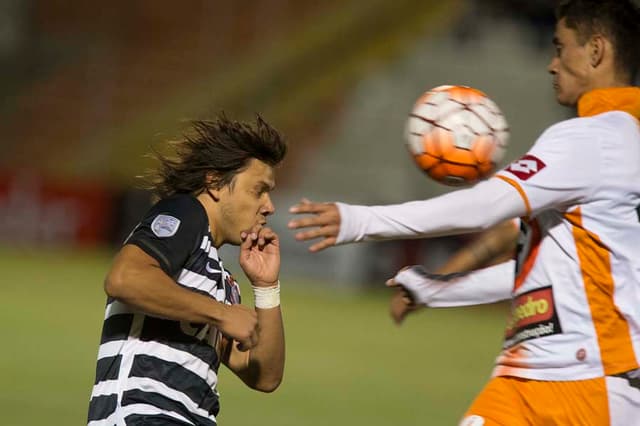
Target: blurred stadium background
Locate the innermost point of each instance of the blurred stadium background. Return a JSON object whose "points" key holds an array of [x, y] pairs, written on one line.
{"points": [[89, 88]]}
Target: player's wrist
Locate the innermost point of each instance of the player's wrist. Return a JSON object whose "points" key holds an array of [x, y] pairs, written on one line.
{"points": [[266, 297], [415, 280], [216, 312], [265, 283]]}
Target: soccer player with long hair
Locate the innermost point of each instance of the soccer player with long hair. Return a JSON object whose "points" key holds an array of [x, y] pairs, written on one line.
{"points": [[173, 311]]}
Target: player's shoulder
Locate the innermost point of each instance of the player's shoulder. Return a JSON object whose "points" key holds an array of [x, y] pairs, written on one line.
{"points": [[589, 127], [179, 203], [182, 207], [573, 126], [575, 134]]}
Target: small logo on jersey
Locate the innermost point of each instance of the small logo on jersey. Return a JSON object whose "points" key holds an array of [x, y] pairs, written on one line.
{"points": [[165, 226], [526, 167], [581, 354], [533, 314], [210, 269], [472, 421]]}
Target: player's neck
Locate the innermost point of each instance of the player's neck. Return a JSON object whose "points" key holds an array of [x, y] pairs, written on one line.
{"points": [[211, 208]]}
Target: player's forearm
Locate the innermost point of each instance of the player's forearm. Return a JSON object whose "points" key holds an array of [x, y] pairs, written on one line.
{"points": [[266, 360], [150, 290], [482, 286], [487, 285], [463, 211], [495, 243]]}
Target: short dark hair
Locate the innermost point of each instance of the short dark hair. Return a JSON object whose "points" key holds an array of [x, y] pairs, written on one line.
{"points": [[219, 148], [618, 20]]}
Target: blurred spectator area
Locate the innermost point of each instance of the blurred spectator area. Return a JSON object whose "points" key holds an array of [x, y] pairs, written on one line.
{"points": [[91, 86]]}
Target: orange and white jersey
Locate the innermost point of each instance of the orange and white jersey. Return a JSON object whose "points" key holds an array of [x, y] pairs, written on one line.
{"points": [[576, 297]]}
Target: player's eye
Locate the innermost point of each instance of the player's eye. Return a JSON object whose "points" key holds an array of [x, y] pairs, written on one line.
{"points": [[558, 49]]}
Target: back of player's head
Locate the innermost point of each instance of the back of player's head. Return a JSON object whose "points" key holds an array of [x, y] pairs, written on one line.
{"points": [[617, 20], [214, 153]]}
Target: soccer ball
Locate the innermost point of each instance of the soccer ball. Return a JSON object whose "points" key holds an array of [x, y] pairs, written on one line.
{"points": [[456, 134]]}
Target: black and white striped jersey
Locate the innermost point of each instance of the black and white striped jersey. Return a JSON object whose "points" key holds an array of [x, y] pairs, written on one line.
{"points": [[152, 370]]}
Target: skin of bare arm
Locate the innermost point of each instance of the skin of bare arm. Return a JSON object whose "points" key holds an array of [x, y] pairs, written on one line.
{"points": [[136, 279], [262, 367]]}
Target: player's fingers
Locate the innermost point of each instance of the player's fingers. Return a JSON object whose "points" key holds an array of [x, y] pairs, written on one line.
{"points": [[247, 242], [396, 307], [255, 231], [321, 245], [248, 342], [254, 338], [309, 207], [266, 236], [404, 295], [406, 298], [324, 231], [250, 236], [399, 317], [307, 222]]}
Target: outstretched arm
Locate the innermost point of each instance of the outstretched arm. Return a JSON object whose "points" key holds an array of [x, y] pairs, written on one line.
{"points": [[468, 210], [486, 285], [492, 246]]}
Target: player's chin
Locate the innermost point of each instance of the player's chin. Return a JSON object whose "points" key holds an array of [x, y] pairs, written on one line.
{"points": [[236, 241], [565, 99]]}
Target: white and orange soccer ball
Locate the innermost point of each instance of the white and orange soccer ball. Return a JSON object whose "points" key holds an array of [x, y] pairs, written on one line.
{"points": [[456, 134]]}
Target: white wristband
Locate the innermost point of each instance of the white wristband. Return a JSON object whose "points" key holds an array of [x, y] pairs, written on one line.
{"points": [[266, 297]]}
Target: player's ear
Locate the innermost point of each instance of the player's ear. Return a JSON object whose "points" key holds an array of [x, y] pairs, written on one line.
{"points": [[213, 192], [596, 50]]}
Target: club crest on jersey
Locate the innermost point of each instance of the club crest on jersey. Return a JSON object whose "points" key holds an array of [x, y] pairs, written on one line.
{"points": [[526, 167], [165, 226], [233, 289]]}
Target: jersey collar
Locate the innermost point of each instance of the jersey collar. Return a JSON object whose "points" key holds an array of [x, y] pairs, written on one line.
{"points": [[598, 101]]}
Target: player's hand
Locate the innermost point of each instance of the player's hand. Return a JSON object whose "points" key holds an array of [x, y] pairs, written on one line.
{"points": [[260, 256], [240, 323], [401, 305], [402, 302], [324, 221]]}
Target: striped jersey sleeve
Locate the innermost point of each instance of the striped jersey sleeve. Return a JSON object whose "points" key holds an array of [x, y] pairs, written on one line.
{"points": [[171, 231]]}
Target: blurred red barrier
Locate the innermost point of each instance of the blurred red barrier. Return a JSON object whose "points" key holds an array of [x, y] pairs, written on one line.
{"points": [[36, 210]]}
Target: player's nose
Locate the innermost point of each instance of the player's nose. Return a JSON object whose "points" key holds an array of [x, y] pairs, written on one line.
{"points": [[268, 208], [552, 68]]}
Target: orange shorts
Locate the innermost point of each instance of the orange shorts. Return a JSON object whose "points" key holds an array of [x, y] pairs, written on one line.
{"points": [[513, 401]]}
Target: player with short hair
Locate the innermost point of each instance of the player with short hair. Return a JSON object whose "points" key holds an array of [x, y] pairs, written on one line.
{"points": [[173, 312], [572, 345]]}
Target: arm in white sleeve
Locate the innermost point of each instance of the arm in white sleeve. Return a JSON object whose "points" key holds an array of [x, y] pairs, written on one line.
{"points": [[486, 285], [466, 210]]}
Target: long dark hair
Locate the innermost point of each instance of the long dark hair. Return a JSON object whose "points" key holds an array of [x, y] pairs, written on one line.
{"points": [[219, 148], [617, 20]]}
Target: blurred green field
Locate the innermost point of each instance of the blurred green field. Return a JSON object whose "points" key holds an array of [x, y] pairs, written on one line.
{"points": [[346, 363]]}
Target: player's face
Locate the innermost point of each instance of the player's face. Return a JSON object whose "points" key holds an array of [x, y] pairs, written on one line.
{"points": [[570, 66], [246, 202]]}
